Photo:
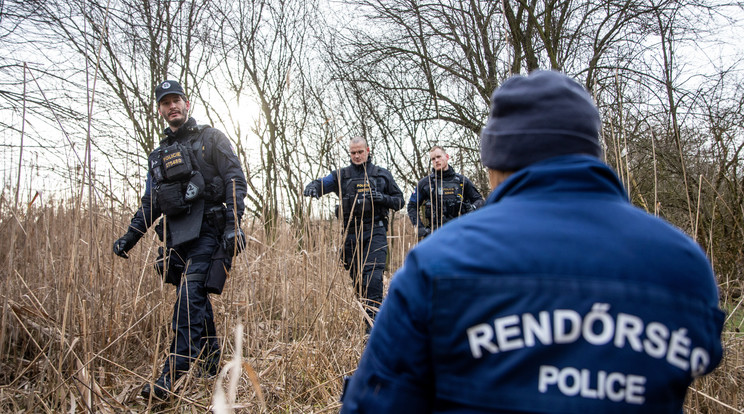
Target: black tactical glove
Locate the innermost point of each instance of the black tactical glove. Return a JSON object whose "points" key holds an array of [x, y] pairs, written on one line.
{"points": [[125, 244], [311, 191], [423, 232], [376, 196], [233, 240]]}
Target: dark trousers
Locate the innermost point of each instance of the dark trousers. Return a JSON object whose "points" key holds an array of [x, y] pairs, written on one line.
{"points": [[365, 253], [195, 335]]}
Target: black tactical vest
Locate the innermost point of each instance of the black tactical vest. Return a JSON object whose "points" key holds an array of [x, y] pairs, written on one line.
{"points": [[445, 201], [355, 193], [174, 169], [171, 168]]}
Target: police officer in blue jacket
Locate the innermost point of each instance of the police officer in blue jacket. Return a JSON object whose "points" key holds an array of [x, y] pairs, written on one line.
{"points": [[568, 299], [366, 193], [196, 184], [444, 194]]}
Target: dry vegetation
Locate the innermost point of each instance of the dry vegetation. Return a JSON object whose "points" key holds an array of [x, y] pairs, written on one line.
{"points": [[82, 330]]}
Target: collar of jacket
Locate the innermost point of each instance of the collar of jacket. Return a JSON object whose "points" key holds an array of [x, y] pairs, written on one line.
{"points": [[187, 128], [363, 166], [572, 176], [447, 174]]}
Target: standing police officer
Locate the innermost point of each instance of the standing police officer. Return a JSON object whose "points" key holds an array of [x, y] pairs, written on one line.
{"points": [[444, 194], [366, 193], [196, 183], [567, 298]]}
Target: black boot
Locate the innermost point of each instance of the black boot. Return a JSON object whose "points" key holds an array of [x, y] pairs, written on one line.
{"points": [[161, 390]]}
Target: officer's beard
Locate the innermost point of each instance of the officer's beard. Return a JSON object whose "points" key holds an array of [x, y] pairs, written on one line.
{"points": [[177, 122]]}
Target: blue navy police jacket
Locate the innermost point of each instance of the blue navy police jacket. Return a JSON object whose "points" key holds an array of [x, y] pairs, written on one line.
{"points": [[567, 299]]}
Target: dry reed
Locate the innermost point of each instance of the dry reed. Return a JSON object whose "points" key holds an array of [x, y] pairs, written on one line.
{"points": [[81, 330]]}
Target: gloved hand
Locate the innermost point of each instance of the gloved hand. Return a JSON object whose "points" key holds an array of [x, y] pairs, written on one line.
{"points": [[125, 244], [232, 240], [423, 232], [376, 196], [311, 191]]}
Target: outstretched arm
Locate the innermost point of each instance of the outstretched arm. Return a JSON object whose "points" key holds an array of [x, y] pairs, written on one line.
{"points": [[322, 186]]}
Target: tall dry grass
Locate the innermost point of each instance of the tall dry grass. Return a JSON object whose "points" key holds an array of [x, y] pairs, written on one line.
{"points": [[82, 330]]}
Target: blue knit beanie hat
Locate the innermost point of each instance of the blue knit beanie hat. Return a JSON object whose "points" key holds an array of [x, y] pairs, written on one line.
{"points": [[539, 116]]}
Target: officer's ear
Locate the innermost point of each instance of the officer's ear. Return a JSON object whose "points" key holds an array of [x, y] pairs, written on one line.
{"points": [[496, 177]]}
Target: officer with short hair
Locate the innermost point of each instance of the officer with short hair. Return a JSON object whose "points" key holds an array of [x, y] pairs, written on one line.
{"points": [[366, 193], [565, 298], [195, 182], [444, 194]]}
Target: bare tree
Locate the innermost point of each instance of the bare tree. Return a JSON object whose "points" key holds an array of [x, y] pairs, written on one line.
{"points": [[270, 60], [34, 99], [118, 51], [418, 74]]}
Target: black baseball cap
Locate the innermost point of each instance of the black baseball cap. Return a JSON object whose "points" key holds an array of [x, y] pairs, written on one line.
{"points": [[168, 87]]}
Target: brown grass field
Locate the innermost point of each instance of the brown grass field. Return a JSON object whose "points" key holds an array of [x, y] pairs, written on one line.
{"points": [[82, 330]]}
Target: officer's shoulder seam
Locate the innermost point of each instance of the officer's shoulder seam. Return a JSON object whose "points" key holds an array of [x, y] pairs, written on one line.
{"points": [[204, 132], [343, 171]]}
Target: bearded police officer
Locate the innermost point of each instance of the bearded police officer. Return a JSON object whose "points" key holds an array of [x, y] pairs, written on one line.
{"points": [[196, 183], [366, 192], [444, 194], [567, 299]]}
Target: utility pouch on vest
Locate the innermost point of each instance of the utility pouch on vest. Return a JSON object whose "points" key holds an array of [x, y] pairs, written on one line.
{"points": [[195, 187], [176, 162], [357, 205], [169, 197], [219, 270], [156, 168], [176, 181], [452, 209], [215, 216]]}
